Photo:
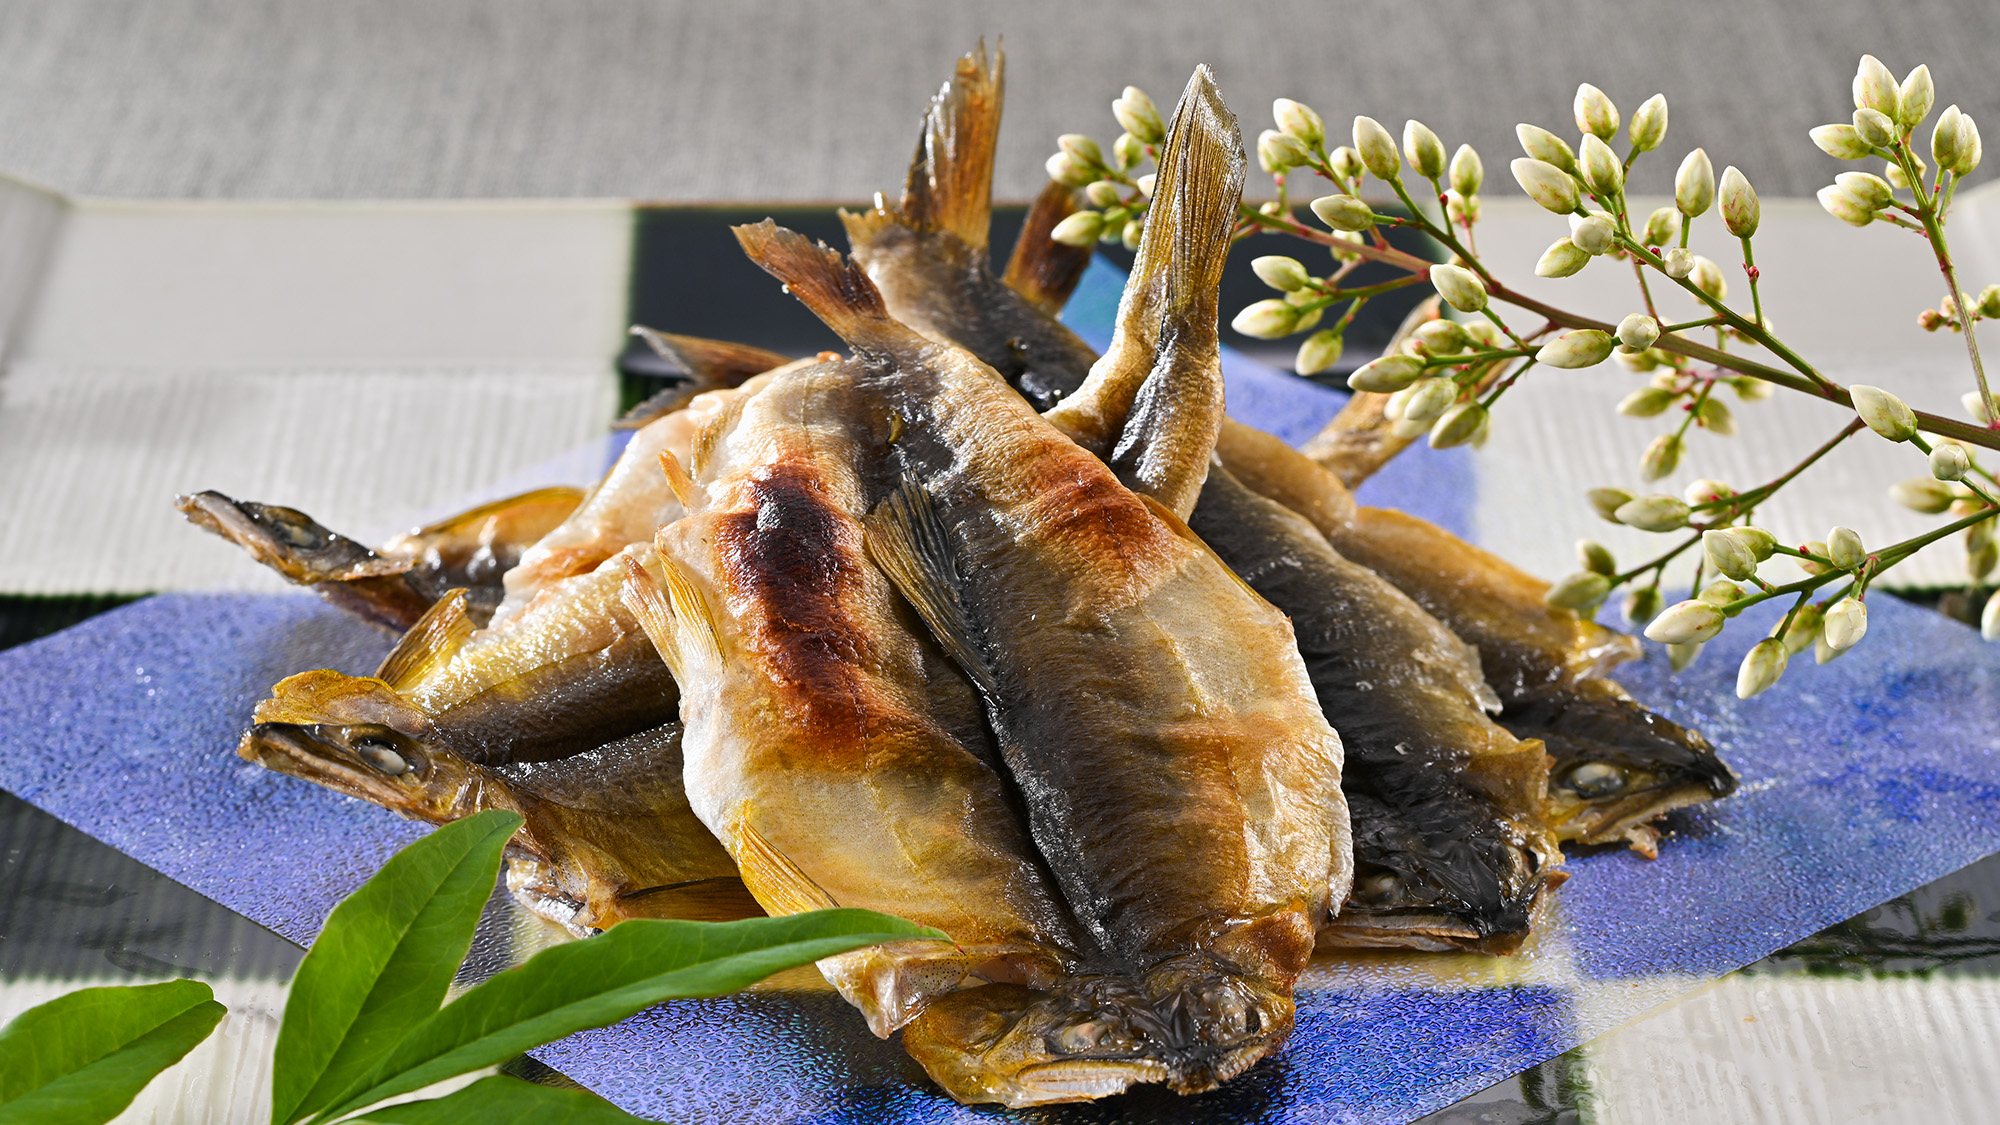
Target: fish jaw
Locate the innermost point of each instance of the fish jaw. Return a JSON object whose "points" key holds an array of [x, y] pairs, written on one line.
{"points": [[375, 763], [347, 574]]}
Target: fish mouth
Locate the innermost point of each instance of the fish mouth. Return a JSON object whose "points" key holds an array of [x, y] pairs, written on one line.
{"points": [[369, 761], [287, 540]]}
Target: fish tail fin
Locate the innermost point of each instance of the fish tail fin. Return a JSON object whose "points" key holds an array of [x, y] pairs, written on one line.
{"points": [[1178, 272], [433, 640], [835, 288], [674, 615], [1043, 271], [950, 187], [700, 365]]}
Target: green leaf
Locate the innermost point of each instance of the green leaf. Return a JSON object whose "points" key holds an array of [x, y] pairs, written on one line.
{"points": [[383, 962], [81, 1058], [602, 980], [504, 1100]]}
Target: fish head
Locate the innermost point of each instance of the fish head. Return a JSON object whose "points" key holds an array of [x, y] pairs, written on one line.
{"points": [[356, 735], [1617, 766], [287, 540]]}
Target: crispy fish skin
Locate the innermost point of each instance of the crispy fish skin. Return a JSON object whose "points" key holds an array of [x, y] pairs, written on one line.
{"points": [[928, 254], [1449, 848], [1179, 779], [836, 753]]}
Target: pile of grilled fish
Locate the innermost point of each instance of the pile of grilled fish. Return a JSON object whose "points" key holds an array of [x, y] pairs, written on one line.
{"points": [[977, 627]]}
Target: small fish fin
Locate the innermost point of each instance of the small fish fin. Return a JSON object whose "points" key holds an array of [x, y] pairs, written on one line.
{"points": [[774, 880], [835, 289], [702, 449], [685, 489], [1187, 227], [674, 615], [720, 899], [513, 521], [704, 364], [1042, 270], [907, 542], [1179, 527], [950, 187], [436, 636]]}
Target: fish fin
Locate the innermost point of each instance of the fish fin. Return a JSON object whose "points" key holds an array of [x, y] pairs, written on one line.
{"points": [[436, 636], [702, 448], [774, 880], [1179, 527], [1043, 271], [674, 615], [704, 364], [685, 489], [950, 187], [907, 542], [723, 898], [836, 289], [1186, 237]]}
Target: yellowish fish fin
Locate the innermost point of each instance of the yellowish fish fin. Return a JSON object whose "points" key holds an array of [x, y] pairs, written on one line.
{"points": [[702, 449], [674, 615], [906, 540], [437, 635], [703, 364], [685, 489], [776, 882], [1042, 270], [950, 187], [834, 288]]}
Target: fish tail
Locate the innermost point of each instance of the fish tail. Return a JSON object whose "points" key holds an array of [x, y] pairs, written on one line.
{"points": [[833, 287], [950, 187], [1178, 271], [1042, 270], [701, 365]]}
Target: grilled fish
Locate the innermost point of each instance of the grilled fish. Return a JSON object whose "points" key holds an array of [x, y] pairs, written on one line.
{"points": [[699, 365]]}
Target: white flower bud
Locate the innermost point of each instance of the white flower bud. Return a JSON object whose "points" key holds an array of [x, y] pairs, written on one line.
{"points": [[1638, 331], [1346, 163], [1127, 150], [1816, 549], [1844, 549], [1704, 491], [1579, 591], [1423, 150], [1761, 668], [1643, 603], [1103, 193], [1068, 172], [1462, 210], [1563, 258], [1989, 302], [1320, 351], [1728, 555], [1662, 456], [1281, 273], [1846, 624], [1467, 171], [1740, 212], [1914, 98], [1266, 320], [1661, 226], [1975, 405], [1945, 137], [1646, 402], [1950, 462], [1581, 347], [1694, 184], [1680, 656], [1872, 191], [1593, 234], [1689, 622], [1546, 184], [1875, 88], [1460, 287], [1720, 593], [1343, 212], [1429, 399], [1595, 557], [1546, 147], [1679, 262], [1606, 502], [1751, 389], [1462, 423], [1804, 629], [1388, 374], [1969, 148], [1298, 120], [1376, 148], [1928, 495], [1278, 151], [1885, 413], [1442, 337], [1843, 205], [1893, 172], [1989, 619], [1658, 512], [1841, 142], [1875, 128], [1715, 416], [1145, 183], [1595, 113], [1081, 149], [1079, 229], [1649, 124], [1115, 221], [1602, 170], [1707, 277], [1138, 116]]}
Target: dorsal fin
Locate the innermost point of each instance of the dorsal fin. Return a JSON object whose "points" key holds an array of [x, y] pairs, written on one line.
{"points": [[950, 187], [908, 543], [1043, 271], [436, 636]]}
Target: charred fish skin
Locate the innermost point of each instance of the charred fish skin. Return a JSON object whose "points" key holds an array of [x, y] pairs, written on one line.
{"points": [[928, 254], [835, 752], [1450, 850], [1140, 779]]}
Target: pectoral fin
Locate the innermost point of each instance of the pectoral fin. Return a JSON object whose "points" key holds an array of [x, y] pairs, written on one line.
{"points": [[908, 542], [674, 615], [778, 883], [439, 633]]}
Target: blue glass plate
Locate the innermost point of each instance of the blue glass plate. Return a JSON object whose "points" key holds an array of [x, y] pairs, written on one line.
{"points": [[1861, 780]]}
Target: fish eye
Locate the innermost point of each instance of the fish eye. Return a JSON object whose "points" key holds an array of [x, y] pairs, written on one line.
{"points": [[1596, 779], [1380, 889], [295, 528], [382, 754]]}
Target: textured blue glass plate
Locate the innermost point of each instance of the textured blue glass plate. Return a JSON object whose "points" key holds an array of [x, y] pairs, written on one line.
{"points": [[1861, 780]]}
